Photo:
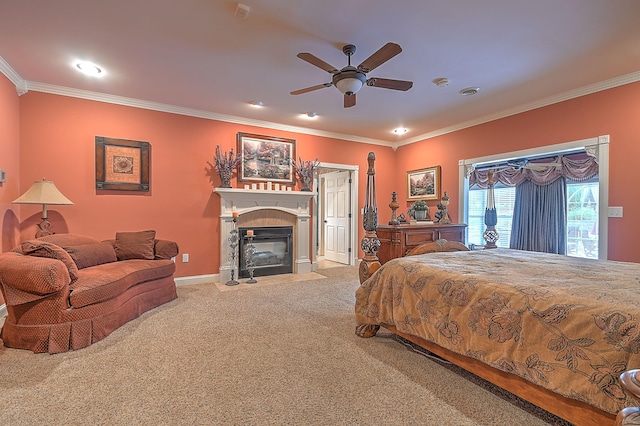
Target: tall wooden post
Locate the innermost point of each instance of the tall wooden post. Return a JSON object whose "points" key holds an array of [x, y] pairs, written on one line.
{"points": [[370, 244]]}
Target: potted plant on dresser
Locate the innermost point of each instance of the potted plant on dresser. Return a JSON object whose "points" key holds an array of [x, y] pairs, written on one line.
{"points": [[420, 210]]}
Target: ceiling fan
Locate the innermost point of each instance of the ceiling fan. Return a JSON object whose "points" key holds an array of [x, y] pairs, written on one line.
{"points": [[350, 79]]}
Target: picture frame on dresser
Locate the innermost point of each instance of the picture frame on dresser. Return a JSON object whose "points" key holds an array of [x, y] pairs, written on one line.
{"points": [[424, 184], [266, 158]]}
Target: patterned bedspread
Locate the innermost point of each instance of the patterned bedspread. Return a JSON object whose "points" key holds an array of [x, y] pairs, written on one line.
{"points": [[567, 324]]}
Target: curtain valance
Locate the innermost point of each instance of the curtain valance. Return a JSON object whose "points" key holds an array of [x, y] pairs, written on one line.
{"points": [[577, 170]]}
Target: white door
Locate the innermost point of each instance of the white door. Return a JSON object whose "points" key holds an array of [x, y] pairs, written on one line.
{"points": [[336, 216]]}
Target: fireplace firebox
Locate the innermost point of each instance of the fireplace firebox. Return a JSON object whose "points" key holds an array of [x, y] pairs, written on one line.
{"points": [[273, 251]]}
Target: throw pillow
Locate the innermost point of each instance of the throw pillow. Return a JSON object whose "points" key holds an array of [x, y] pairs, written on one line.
{"points": [[45, 249], [87, 255], [135, 245]]}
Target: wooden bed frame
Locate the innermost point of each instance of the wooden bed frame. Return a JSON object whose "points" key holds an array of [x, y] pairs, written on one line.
{"points": [[574, 411]]}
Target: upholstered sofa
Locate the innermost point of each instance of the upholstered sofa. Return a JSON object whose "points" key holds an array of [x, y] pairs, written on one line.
{"points": [[65, 292]]}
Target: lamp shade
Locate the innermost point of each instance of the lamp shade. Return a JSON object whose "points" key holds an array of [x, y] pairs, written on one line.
{"points": [[43, 192]]}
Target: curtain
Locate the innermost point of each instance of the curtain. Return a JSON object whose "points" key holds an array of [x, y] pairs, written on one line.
{"points": [[576, 170], [539, 217]]}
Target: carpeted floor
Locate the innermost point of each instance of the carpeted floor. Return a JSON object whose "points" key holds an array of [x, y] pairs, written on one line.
{"points": [[277, 354]]}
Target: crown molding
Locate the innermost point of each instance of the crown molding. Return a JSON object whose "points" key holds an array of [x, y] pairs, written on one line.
{"points": [[23, 86], [155, 106], [14, 77], [571, 94]]}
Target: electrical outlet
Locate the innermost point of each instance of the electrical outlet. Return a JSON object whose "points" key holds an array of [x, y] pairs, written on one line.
{"points": [[185, 258], [615, 211]]}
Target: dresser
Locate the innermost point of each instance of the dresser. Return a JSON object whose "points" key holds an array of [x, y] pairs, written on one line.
{"points": [[398, 240]]}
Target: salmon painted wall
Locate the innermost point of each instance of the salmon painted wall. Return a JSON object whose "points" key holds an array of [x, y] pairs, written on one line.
{"points": [[9, 161], [614, 112], [57, 143]]}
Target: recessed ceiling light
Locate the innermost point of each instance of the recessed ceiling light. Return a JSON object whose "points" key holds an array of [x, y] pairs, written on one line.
{"points": [[309, 115], [257, 104], [89, 68], [468, 91], [441, 82], [400, 131]]}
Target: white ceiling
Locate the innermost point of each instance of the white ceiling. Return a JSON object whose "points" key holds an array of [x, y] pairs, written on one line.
{"points": [[199, 56]]}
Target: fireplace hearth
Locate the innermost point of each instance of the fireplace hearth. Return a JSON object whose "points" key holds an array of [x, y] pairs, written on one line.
{"points": [[273, 250]]}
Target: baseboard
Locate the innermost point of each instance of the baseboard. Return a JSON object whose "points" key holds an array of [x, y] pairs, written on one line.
{"points": [[197, 279], [3, 311]]}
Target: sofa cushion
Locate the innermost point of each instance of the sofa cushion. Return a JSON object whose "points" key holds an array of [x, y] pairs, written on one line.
{"points": [[68, 239], [165, 249], [41, 248], [103, 282], [86, 255], [135, 245]]}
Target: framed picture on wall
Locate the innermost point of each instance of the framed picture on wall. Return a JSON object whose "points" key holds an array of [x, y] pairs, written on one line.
{"points": [[424, 184], [266, 158], [122, 164]]}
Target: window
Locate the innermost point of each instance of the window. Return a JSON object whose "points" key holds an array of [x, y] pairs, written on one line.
{"points": [[582, 217], [597, 146], [504, 199]]}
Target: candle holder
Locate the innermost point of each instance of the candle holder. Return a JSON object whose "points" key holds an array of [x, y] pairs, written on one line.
{"points": [[233, 253], [250, 251]]}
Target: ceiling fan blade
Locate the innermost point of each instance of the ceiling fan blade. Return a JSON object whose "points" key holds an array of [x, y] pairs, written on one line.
{"points": [[314, 60], [311, 89], [349, 100], [383, 54], [386, 83]]}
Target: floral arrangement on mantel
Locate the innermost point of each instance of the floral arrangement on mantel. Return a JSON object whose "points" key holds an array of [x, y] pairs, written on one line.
{"points": [[305, 171], [227, 164]]}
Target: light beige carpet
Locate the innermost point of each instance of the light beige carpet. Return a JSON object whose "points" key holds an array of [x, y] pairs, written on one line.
{"points": [[271, 355]]}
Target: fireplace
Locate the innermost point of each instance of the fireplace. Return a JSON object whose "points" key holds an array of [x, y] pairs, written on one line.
{"points": [[260, 208], [273, 250]]}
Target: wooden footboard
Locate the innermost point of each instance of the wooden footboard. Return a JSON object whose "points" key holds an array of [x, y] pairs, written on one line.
{"points": [[630, 381], [571, 410]]}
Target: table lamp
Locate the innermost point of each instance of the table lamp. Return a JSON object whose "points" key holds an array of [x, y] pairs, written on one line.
{"points": [[43, 192]]}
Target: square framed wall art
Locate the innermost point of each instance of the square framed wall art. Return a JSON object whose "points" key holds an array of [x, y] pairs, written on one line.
{"points": [[122, 164]]}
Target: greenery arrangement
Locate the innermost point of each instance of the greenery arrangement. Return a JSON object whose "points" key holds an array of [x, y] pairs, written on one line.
{"points": [[227, 164], [305, 171], [420, 205]]}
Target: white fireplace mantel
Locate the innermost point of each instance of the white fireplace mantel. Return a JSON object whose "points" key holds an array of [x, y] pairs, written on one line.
{"points": [[242, 201]]}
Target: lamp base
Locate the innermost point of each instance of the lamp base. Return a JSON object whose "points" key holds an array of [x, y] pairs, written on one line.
{"points": [[43, 229]]}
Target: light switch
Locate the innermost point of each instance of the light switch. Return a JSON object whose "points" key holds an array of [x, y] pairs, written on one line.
{"points": [[3, 176], [615, 211]]}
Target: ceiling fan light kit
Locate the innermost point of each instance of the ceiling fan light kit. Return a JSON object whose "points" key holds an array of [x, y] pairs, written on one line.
{"points": [[349, 80]]}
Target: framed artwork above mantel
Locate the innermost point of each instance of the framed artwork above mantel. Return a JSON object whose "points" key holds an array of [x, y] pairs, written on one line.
{"points": [[424, 184], [265, 158]]}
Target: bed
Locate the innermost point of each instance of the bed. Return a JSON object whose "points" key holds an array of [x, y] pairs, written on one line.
{"points": [[555, 330]]}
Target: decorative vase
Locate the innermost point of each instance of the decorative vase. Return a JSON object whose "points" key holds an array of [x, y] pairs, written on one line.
{"points": [[225, 180], [306, 185], [420, 214]]}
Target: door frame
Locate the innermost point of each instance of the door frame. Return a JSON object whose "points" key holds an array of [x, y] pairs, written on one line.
{"points": [[353, 207]]}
